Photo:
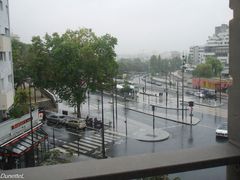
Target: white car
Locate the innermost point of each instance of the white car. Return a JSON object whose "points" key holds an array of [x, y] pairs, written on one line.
{"points": [[76, 124], [199, 94], [222, 130]]}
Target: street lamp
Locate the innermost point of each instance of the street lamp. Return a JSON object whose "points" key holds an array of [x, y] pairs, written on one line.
{"points": [[153, 109], [191, 104], [183, 67], [125, 103], [103, 145], [220, 98], [29, 81]]}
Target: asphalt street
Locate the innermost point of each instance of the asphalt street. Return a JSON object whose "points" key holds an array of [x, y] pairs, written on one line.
{"points": [[120, 142]]}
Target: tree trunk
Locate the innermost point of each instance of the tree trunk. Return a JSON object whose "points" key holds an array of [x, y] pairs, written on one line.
{"points": [[78, 110]]}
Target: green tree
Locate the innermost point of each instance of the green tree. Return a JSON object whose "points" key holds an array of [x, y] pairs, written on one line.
{"points": [[216, 65], [20, 54], [71, 63], [203, 70]]}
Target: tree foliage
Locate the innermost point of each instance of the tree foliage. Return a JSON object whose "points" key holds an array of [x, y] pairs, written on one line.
{"points": [[132, 65], [216, 65], [158, 65], [71, 63], [20, 55], [212, 67]]}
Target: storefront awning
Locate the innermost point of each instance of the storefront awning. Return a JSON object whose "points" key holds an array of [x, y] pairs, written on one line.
{"points": [[23, 144]]}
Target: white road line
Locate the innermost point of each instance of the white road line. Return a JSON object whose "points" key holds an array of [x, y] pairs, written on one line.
{"points": [[95, 140], [80, 147], [99, 138], [75, 149], [90, 142], [75, 134], [107, 138], [207, 126], [85, 144], [171, 127]]}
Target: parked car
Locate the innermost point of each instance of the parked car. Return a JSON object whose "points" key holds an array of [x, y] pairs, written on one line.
{"points": [[222, 130], [209, 94], [188, 92], [199, 94], [56, 118], [76, 124]]}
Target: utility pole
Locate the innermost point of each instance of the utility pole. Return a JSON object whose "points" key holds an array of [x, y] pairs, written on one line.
{"points": [[220, 98], [113, 108], [103, 145], [153, 109], [88, 103], [177, 97], [166, 90], [183, 66]]}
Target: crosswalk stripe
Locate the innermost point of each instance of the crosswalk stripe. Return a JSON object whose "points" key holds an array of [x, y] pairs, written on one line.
{"points": [[80, 147], [85, 144], [75, 149], [94, 140], [115, 133], [99, 138], [107, 138], [111, 136], [90, 142]]}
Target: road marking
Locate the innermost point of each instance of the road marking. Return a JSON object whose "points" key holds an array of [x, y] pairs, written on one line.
{"points": [[207, 126], [80, 147], [107, 138], [99, 138], [85, 144], [171, 127], [95, 140], [73, 148], [90, 142], [74, 134]]}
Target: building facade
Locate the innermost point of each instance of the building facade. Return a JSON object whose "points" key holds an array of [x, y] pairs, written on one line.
{"points": [[6, 64], [217, 45], [196, 54]]}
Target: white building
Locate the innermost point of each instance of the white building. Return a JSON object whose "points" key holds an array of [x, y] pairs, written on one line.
{"points": [[196, 54], [217, 45], [6, 64]]}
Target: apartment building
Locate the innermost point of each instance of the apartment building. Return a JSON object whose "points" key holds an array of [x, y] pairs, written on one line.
{"points": [[6, 64], [217, 45]]}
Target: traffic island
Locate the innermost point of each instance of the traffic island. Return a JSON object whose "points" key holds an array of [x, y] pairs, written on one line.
{"points": [[148, 136]]}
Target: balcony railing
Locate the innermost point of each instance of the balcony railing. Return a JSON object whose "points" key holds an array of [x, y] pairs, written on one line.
{"points": [[144, 165]]}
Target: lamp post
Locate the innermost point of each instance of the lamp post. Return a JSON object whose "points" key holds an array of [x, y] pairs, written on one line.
{"points": [[220, 98], [153, 109], [103, 145], [166, 90], [183, 66], [125, 103], [54, 145], [88, 103], [177, 96], [29, 81]]}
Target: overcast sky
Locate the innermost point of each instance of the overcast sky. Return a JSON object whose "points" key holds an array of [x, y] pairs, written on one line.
{"points": [[139, 25]]}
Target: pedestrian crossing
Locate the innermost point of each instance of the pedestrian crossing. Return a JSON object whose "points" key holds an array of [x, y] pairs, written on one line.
{"points": [[91, 144]]}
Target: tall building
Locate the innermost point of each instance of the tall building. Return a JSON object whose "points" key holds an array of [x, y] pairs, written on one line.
{"points": [[6, 64], [217, 45], [196, 54]]}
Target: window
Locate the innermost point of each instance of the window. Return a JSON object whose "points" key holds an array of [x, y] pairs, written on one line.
{"points": [[1, 5], [2, 56], [10, 56], [7, 32], [1, 84], [10, 78]]}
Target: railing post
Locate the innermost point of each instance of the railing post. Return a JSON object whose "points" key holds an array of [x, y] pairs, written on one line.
{"points": [[233, 171]]}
